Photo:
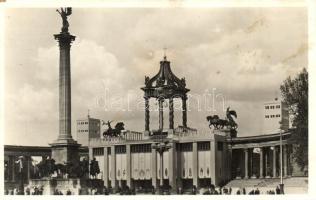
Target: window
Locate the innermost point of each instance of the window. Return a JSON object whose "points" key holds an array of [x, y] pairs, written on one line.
{"points": [[203, 146], [278, 115], [272, 116], [98, 151], [141, 148], [267, 116], [271, 107], [120, 149], [186, 147], [267, 107], [278, 106]]}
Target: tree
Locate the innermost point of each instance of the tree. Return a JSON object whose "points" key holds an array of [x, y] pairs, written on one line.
{"points": [[295, 94]]}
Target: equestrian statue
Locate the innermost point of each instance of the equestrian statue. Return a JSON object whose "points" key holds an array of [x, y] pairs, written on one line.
{"points": [[113, 132], [229, 123]]}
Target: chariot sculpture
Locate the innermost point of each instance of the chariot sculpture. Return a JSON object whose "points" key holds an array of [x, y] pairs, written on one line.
{"points": [[113, 132], [228, 123]]}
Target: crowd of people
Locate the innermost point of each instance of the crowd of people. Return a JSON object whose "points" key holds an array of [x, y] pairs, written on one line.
{"points": [[34, 191], [133, 191]]}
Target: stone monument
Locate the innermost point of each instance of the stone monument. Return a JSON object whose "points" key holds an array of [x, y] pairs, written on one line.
{"points": [[65, 148]]}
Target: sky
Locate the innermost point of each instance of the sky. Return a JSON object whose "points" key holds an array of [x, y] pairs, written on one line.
{"points": [[235, 57]]}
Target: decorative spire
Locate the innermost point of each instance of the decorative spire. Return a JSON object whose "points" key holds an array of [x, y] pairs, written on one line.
{"points": [[164, 54], [88, 113]]}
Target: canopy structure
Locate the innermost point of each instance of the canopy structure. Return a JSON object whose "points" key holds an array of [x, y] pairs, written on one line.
{"points": [[165, 86]]}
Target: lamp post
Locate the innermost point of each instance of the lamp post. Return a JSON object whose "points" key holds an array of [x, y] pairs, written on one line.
{"points": [[161, 146], [281, 158], [281, 164]]}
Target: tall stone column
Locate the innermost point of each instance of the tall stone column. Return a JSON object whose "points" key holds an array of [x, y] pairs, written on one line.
{"points": [[171, 114], [195, 164], [154, 167], [246, 164], [64, 41], [274, 162], [106, 167], [261, 163], [128, 166], [160, 102], [147, 114], [184, 111], [65, 149]]}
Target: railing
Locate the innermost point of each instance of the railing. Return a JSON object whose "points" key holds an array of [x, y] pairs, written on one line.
{"points": [[182, 131], [125, 136]]}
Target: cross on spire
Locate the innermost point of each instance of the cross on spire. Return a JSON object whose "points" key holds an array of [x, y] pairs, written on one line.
{"points": [[164, 53]]}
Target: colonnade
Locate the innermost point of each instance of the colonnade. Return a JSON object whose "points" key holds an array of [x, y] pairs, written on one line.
{"points": [[269, 162]]}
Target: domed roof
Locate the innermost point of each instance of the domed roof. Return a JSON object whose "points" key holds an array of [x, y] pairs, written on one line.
{"points": [[165, 82]]}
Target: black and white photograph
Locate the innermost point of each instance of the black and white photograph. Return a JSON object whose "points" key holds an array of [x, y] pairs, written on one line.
{"points": [[156, 100]]}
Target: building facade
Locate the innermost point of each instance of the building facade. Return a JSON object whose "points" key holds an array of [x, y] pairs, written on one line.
{"points": [[87, 129], [177, 157], [275, 113]]}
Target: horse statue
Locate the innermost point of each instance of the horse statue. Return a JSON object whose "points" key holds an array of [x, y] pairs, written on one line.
{"points": [[110, 132], [229, 122]]}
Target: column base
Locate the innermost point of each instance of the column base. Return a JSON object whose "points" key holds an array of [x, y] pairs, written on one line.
{"points": [[238, 177], [246, 177], [267, 177], [253, 177], [65, 151]]}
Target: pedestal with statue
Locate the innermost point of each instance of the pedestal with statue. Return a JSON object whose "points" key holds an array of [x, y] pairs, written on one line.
{"points": [[63, 172]]}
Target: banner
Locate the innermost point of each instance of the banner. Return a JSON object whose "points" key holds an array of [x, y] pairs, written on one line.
{"points": [[166, 164], [207, 164], [201, 164], [148, 166]]}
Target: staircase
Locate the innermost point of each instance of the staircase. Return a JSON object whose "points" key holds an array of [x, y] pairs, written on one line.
{"points": [[291, 184]]}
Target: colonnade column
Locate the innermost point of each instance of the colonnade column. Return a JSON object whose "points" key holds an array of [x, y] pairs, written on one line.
{"points": [[171, 114], [274, 162], [195, 164], [184, 111], [28, 163], [160, 102], [266, 154], [128, 166], [261, 162], [106, 167], [251, 163], [246, 163], [13, 167], [147, 115]]}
